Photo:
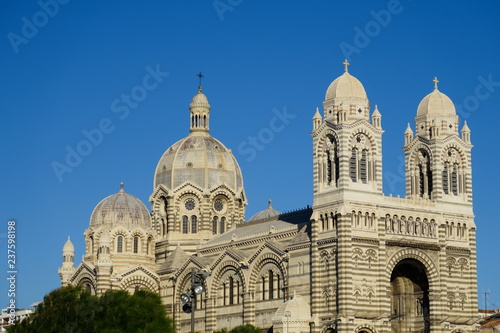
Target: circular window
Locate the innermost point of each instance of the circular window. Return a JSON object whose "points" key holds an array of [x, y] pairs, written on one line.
{"points": [[189, 204], [218, 205]]}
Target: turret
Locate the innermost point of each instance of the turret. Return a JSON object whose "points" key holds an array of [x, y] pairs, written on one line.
{"points": [[68, 262], [316, 120]]}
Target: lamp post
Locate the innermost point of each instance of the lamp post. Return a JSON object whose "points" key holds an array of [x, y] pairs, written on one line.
{"points": [[197, 288]]}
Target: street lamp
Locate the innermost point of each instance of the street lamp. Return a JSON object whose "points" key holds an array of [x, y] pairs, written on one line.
{"points": [[197, 288]]}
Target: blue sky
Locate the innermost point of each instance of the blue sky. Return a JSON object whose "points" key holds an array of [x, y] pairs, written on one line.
{"points": [[67, 68]]}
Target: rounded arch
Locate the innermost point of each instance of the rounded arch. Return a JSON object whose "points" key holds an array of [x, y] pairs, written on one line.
{"points": [[414, 154], [422, 257], [140, 281], [365, 328], [328, 136], [410, 282], [372, 145], [88, 283], [263, 260], [221, 271]]}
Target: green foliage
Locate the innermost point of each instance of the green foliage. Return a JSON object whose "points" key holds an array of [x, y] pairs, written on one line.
{"points": [[74, 310], [247, 328]]}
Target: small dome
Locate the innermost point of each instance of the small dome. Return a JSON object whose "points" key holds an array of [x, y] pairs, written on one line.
{"points": [[296, 309], [344, 87], [123, 209], [68, 246], [199, 99], [436, 103], [267, 213]]}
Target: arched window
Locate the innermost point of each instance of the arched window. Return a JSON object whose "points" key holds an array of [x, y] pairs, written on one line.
{"points": [[194, 224], [136, 244], [185, 224], [119, 244], [263, 281], [423, 175], [222, 227], [215, 221], [363, 169], [91, 250], [353, 165], [271, 285], [231, 290]]}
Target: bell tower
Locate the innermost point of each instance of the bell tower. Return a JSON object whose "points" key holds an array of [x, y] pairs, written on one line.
{"points": [[347, 146], [437, 158]]}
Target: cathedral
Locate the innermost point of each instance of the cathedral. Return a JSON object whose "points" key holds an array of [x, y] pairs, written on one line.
{"points": [[355, 261]]}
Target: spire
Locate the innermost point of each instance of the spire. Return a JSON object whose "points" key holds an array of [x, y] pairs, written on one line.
{"points": [[346, 64], [316, 120], [376, 116], [466, 132], [200, 76], [316, 114], [408, 135], [436, 81]]}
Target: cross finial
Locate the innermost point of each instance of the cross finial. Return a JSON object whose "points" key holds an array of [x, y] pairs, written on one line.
{"points": [[346, 64], [200, 76], [436, 81]]}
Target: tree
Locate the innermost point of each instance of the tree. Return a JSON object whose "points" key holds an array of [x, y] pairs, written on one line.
{"points": [[247, 328], [72, 309]]}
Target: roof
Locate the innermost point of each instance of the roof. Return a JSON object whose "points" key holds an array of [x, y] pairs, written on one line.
{"points": [[284, 222]]}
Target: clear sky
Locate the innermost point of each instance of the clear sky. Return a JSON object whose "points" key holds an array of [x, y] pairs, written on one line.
{"points": [[67, 68]]}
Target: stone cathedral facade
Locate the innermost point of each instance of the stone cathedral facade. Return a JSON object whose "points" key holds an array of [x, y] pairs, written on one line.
{"points": [[355, 261]]}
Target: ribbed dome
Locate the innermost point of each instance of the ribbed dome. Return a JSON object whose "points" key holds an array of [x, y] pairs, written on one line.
{"points": [[123, 209], [201, 160], [68, 246], [267, 213], [346, 86], [296, 309], [436, 103]]}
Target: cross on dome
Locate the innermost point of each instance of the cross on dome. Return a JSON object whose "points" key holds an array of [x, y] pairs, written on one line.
{"points": [[346, 64], [436, 81], [200, 76]]}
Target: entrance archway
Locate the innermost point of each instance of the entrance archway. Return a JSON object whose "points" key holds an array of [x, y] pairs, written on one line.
{"points": [[410, 310]]}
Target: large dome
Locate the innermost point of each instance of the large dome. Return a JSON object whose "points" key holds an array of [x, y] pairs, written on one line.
{"points": [[346, 86], [200, 159], [436, 103], [123, 209]]}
